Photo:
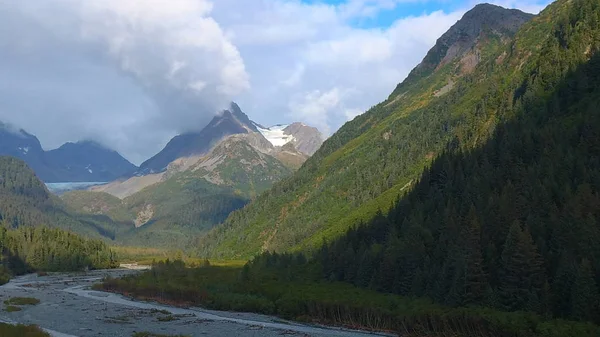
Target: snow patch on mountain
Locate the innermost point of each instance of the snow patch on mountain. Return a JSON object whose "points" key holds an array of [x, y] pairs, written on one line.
{"points": [[275, 134]]}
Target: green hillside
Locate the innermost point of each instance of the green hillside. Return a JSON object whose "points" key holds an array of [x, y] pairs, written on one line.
{"points": [[25, 201], [188, 203], [513, 223], [377, 157], [27, 241]]}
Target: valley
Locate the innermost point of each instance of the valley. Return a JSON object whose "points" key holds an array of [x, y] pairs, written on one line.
{"points": [[465, 203], [93, 313]]}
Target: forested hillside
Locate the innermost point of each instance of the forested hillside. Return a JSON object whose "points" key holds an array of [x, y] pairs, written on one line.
{"points": [[513, 223], [25, 201], [27, 243], [31, 249], [376, 157]]}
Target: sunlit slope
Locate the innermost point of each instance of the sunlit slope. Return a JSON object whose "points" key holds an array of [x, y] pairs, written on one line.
{"points": [[445, 102]]}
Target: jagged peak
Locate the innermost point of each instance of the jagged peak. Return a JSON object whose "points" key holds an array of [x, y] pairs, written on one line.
{"points": [[463, 36]]}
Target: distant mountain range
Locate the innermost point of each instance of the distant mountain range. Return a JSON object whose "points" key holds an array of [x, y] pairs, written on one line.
{"points": [[88, 161], [73, 162], [199, 178]]}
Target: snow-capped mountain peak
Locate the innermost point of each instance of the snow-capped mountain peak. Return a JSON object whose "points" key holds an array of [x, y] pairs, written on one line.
{"points": [[276, 134]]}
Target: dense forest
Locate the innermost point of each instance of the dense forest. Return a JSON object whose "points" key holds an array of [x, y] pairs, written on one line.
{"points": [[26, 243], [511, 224], [25, 201], [29, 249]]}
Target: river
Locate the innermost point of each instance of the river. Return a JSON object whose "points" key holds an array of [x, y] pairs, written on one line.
{"points": [[69, 308]]}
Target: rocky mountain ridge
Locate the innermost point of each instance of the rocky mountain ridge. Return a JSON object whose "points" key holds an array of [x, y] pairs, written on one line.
{"points": [[83, 161]]}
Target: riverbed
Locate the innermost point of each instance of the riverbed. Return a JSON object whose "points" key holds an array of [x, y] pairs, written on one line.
{"points": [[70, 308]]}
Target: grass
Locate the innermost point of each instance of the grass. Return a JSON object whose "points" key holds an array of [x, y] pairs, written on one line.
{"points": [[150, 334], [22, 301], [167, 318], [12, 308], [21, 331]]}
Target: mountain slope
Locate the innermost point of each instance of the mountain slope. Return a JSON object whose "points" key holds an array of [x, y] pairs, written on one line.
{"points": [[373, 159], [20, 144], [79, 162], [511, 223], [87, 161], [305, 139], [191, 196], [25, 201], [229, 122]]}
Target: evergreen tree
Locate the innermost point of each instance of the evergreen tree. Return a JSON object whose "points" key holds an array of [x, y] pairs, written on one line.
{"points": [[585, 298]]}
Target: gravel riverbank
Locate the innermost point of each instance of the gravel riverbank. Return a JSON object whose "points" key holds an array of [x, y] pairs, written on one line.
{"points": [[69, 308]]}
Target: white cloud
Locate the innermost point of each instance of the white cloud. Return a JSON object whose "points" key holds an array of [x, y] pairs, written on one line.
{"points": [[296, 52], [130, 74]]}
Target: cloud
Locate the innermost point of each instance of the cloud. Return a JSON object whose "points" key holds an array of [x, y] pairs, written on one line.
{"points": [[129, 74], [302, 55]]}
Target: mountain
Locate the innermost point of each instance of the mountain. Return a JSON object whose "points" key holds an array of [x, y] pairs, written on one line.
{"points": [[509, 221], [229, 122], [377, 157], [190, 197], [214, 172], [20, 144], [73, 162], [87, 161], [305, 139], [25, 201]]}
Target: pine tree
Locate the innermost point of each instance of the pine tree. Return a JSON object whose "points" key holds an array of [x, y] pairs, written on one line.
{"points": [[521, 270], [584, 295]]}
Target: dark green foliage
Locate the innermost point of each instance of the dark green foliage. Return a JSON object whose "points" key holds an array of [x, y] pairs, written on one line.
{"points": [[29, 249], [285, 285], [25, 201], [21, 331], [26, 243], [511, 223], [585, 298]]}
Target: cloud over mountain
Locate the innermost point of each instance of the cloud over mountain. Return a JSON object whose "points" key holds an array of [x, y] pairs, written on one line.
{"points": [[131, 74]]}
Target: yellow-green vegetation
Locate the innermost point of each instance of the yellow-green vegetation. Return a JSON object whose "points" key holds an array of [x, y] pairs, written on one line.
{"points": [[12, 308], [25, 201], [277, 291], [27, 249], [364, 167], [149, 256], [21, 331], [94, 203], [22, 301]]}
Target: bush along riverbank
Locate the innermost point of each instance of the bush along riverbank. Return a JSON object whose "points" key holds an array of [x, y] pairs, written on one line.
{"points": [[279, 291]]}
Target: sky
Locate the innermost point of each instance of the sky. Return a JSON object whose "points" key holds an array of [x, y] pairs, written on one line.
{"points": [[131, 74]]}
